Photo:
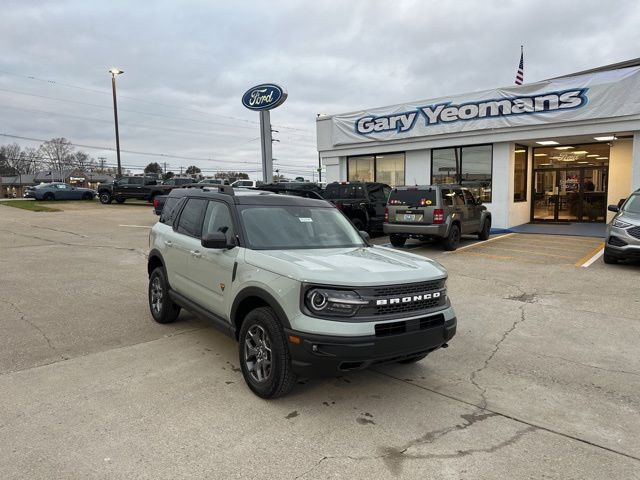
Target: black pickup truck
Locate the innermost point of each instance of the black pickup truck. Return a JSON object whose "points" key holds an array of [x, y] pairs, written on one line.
{"points": [[363, 202], [125, 188]]}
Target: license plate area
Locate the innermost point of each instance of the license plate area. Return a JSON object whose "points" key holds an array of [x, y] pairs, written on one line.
{"points": [[411, 215]]}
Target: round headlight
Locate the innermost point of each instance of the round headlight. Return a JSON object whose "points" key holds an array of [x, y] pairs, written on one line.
{"points": [[318, 300]]}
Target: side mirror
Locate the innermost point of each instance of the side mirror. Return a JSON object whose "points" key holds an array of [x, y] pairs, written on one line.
{"points": [[215, 240], [365, 236], [613, 208]]}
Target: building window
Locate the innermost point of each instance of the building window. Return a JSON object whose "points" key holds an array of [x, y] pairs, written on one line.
{"points": [[468, 166], [360, 169], [520, 165], [386, 168]]}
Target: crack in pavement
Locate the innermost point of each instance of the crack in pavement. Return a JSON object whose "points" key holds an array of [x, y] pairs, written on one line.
{"points": [[67, 244], [24, 318], [48, 228], [393, 457], [524, 297]]}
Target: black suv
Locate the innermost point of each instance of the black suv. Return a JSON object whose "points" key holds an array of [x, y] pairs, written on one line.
{"points": [[124, 188], [363, 202]]}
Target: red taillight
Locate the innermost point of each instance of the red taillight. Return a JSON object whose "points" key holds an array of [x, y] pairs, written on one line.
{"points": [[155, 203], [438, 215], [386, 215]]}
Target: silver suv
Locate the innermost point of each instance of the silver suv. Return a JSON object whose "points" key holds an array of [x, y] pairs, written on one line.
{"points": [[435, 211], [623, 233], [295, 283]]}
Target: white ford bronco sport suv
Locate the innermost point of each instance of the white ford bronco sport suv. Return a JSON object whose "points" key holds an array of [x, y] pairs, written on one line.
{"points": [[295, 283]]}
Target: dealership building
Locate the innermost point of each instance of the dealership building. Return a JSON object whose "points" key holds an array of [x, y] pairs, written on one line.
{"points": [[558, 150]]}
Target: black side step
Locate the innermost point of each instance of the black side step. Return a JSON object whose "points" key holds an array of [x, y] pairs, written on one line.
{"points": [[220, 323]]}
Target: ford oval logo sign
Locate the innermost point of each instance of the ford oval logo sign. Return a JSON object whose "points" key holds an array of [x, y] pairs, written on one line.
{"points": [[264, 97]]}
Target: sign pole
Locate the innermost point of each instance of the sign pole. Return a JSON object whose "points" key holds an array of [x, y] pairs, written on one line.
{"points": [[266, 144]]}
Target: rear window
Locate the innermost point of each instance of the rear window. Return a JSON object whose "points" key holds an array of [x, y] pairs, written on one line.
{"points": [[413, 198]]}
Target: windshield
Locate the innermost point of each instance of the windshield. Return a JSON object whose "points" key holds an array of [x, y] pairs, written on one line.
{"points": [[632, 205], [293, 227]]}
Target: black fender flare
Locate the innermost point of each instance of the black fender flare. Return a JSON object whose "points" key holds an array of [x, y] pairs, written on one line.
{"points": [[154, 254], [264, 296]]}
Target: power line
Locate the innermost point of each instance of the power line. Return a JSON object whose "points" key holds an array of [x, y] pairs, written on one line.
{"points": [[135, 152], [109, 107], [180, 107]]}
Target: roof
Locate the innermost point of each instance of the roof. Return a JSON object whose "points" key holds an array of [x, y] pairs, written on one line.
{"points": [[249, 197], [634, 62]]}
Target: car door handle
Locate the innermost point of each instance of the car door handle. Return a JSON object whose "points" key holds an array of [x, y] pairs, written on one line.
{"points": [[168, 243], [196, 253]]}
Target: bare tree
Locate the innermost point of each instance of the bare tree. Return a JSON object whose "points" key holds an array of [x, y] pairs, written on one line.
{"points": [[58, 154], [81, 160], [12, 153], [30, 159]]}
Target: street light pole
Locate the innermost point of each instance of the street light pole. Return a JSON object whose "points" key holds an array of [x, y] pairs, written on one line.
{"points": [[114, 72]]}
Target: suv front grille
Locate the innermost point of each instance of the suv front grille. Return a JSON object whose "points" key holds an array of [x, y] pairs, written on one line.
{"points": [[400, 292], [407, 289], [634, 232]]}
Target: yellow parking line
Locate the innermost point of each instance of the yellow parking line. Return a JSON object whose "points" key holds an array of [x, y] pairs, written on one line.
{"points": [[562, 241], [480, 243], [590, 255], [539, 246], [530, 252]]}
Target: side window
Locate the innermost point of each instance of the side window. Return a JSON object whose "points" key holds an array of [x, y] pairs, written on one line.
{"points": [[447, 197], [123, 181], [468, 196], [169, 210], [458, 198], [135, 181], [387, 192], [190, 221], [218, 219]]}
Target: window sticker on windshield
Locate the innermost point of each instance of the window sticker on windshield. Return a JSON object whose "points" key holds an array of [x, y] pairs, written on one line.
{"points": [[305, 219]]}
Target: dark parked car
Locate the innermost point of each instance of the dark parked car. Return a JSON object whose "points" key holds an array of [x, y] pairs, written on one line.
{"points": [[435, 211], [178, 181], [124, 188], [623, 233], [363, 202], [62, 191], [306, 190]]}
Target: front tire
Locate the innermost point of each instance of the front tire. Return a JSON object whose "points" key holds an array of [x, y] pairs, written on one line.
{"points": [[452, 240], [486, 230], [48, 197], [264, 355], [162, 308], [105, 198], [397, 241]]}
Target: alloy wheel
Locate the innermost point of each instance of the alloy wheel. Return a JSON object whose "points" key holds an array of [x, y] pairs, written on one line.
{"points": [[257, 354], [156, 295]]}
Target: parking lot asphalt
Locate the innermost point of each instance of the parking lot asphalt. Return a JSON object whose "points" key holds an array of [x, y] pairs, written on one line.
{"points": [[541, 381]]}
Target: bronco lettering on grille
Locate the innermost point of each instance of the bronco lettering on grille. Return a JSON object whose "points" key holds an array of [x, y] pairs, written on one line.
{"points": [[414, 298]]}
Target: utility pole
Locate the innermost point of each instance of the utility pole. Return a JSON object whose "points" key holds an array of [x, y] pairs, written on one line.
{"points": [[102, 160], [114, 72], [180, 170]]}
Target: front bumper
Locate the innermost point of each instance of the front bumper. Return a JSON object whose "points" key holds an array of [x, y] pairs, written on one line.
{"points": [[417, 229], [317, 355], [615, 248]]}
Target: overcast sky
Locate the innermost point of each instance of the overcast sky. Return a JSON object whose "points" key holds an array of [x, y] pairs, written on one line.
{"points": [[188, 63]]}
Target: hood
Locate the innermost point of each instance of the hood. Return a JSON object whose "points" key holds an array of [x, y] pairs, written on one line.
{"points": [[362, 266], [630, 217]]}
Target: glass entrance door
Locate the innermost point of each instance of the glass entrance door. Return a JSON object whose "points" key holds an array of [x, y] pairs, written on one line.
{"points": [[570, 195]]}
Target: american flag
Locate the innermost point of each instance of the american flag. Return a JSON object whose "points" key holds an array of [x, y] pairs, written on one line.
{"points": [[520, 72]]}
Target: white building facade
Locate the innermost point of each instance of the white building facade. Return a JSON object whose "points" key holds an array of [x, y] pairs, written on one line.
{"points": [[559, 150]]}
